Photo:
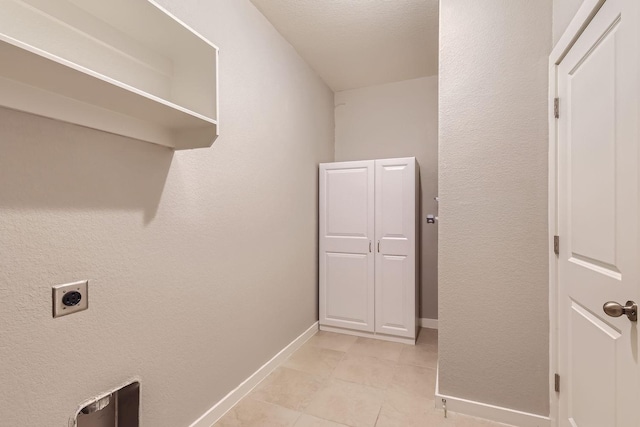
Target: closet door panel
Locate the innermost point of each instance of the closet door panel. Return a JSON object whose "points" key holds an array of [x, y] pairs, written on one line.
{"points": [[346, 241], [393, 298], [347, 283], [395, 230]]}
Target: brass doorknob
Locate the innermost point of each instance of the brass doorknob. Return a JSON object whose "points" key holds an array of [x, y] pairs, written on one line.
{"points": [[614, 309]]}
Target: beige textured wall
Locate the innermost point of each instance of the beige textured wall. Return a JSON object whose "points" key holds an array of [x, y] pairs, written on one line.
{"points": [[202, 263], [398, 120], [563, 13], [493, 283]]}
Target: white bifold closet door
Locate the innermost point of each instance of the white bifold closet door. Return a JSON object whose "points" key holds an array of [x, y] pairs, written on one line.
{"points": [[346, 245], [395, 230]]}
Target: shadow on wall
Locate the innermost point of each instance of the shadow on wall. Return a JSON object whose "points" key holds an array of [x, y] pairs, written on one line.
{"points": [[53, 165]]}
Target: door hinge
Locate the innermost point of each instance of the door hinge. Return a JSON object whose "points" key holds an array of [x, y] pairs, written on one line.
{"points": [[556, 108], [557, 383], [556, 245]]}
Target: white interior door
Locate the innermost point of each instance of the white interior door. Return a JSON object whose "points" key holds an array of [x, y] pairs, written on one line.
{"points": [[346, 245], [395, 246], [598, 223]]}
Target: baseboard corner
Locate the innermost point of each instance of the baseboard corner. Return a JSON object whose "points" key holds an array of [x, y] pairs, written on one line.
{"points": [[490, 412], [429, 323]]}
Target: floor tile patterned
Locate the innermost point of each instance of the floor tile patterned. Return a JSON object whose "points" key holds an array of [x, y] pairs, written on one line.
{"points": [[314, 360], [306, 420], [253, 413], [289, 388], [337, 380], [365, 370]]}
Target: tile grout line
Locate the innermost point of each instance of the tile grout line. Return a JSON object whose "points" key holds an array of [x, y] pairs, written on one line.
{"points": [[297, 419], [378, 416], [331, 376]]}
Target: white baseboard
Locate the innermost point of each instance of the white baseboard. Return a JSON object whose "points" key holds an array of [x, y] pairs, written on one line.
{"points": [[489, 412], [429, 323], [229, 401], [403, 340]]}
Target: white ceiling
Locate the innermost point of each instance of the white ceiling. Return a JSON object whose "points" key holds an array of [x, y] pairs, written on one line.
{"points": [[357, 43]]}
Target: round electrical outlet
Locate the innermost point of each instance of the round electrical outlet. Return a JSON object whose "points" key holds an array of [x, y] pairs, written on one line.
{"points": [[71, 298]]}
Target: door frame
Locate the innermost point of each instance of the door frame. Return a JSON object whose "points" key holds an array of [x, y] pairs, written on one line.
{"points": [[578, 24]]}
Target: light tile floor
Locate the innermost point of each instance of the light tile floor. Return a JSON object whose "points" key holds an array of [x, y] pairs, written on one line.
{"points": [[337, 380]]}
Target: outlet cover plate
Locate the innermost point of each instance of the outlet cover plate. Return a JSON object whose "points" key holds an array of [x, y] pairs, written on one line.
{"points": [[59, 291]]}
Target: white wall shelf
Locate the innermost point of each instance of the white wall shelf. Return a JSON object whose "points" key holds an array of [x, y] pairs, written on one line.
{"points": [[126, 67]]}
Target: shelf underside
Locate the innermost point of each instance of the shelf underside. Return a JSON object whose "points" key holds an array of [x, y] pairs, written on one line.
{"points": [[39, 85], [126, 67]]}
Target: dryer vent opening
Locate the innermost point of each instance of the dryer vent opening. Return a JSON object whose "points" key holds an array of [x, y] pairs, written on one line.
{"points": [[118, 408]]}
